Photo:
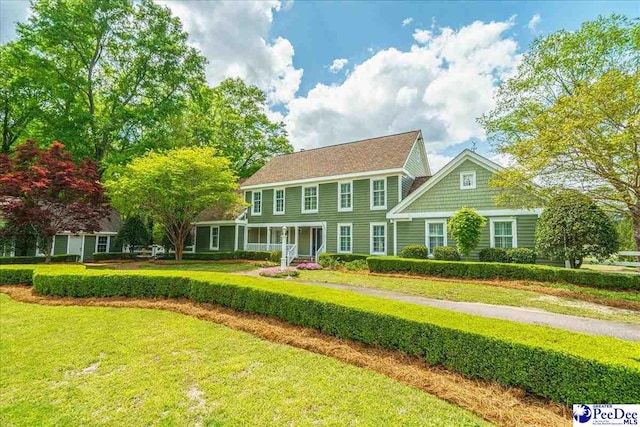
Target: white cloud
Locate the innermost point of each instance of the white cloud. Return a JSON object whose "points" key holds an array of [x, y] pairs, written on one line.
{"points": [[338, 64], [234, 37], [407, 21], [422, 36], [440, 86], [533, 23]]}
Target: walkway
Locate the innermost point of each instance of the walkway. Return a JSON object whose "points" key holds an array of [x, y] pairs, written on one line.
{"points": [[533, 316]]}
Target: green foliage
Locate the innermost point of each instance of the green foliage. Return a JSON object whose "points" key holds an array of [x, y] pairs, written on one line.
{"points": [[221, 255], [522, 255], [494, 255], [275, 256], [446, 253], [37, 259], [173, 188], [569, 116], [624, 228], [134, 233], [329, 260], [480, 270], [553, 363], [15, 276], [572, 227], [414, 251], [356, 265], [104, 74], [465, 226]]}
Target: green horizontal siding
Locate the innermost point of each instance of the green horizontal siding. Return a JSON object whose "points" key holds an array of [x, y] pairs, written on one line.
{"points": [[416, 163], [60, 244], [446, 195], [360, 217], [226, 238]]}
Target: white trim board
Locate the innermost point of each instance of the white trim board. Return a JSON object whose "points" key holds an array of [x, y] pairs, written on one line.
{"points": [[328, 179], [465, 155], [447, 214], [377, 224], [344, 224], [514, 231]]}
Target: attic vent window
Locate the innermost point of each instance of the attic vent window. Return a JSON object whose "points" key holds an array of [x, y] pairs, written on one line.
{"points": [[467, 180]]}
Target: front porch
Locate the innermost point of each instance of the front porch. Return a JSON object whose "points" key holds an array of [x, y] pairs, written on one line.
{"points": [[302, 239]]}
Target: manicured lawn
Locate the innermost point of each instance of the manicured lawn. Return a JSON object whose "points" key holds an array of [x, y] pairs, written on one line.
{"points": [[99, 366], [474, 292], [219, 266]]}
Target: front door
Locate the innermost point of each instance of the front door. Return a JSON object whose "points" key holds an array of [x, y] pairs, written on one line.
{"points": [[316, 240], [76, 246]]}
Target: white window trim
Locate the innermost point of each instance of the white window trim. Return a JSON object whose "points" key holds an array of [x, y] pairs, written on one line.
{"points": [[514, 229], [427, 237], [473, 180], [211, 247], [307, 211], [253, 206], [350, 225], [96, 246], [377, 208], [371, 225], [284, 201], [340, 209]]}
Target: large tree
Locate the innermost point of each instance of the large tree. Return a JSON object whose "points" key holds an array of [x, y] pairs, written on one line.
{"points": [[111, 69], [232, 118], [173, 188], [570, 118], [45, 192], [573, 227]]}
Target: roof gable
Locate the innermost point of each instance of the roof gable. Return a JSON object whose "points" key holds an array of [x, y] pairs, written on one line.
{"points": [[370, 155], [466, 155]]}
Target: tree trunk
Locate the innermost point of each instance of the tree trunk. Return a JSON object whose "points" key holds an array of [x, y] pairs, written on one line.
{"points": [[635, 219], [179, 246]]}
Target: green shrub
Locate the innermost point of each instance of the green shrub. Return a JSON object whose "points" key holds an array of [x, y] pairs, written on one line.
{"points": [[564, 366], [275, 256], [344, 257], [480, 270], [414, 251], [104, 256], [356, 265], [328, 261], [220, 255], [446, 253], [494, 255], [37, 259], [21, 276], [522, 255]]}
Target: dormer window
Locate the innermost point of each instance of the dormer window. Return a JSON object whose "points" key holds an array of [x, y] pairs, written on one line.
{"points": [[467, 180]]}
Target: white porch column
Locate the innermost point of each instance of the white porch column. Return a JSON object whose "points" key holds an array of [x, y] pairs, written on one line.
{"points": [[395, 237], [296, 236], [235, 241], [268, 237]]}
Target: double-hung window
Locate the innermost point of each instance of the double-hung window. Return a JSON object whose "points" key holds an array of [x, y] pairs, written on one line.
{"points": [[436, 234], [504, 233], [256, 203], [278, 201], [310, 199], [345, 196], [215, 238], [378, 243], [102, 244], [345, 238], [379, 193]]}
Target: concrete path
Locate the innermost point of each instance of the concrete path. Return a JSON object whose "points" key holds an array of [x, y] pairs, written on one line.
{"points": [[533, 316]]}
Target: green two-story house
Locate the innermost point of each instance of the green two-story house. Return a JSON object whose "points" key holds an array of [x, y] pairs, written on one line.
{"points": [[373, 196]]}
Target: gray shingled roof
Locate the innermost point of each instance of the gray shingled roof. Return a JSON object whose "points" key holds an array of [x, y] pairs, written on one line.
{"points": [[387, 152]]}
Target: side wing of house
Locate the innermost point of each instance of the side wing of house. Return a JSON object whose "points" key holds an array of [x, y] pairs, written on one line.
{"points": [[422, 217]]}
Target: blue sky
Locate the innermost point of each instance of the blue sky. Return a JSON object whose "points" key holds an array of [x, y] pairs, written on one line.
{"points": [[341, 71]]}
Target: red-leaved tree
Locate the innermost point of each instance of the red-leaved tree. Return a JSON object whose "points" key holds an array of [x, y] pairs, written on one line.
{"points": [[46, 192]]}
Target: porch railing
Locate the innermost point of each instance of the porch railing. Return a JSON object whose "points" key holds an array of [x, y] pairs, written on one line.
{"points": [[320, 250], [292, 253], [266, 247]]}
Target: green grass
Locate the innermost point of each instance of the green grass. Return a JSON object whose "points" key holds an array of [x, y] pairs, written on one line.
{"points": [[223, 267], [108, 366], [475, 292]]}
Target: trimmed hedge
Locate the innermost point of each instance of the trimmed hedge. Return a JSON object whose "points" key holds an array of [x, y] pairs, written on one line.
{"points": [[343, 257], [564, 366], [219, 256], [16, 276], [522, 255], [494, 255], [495, 270], [446, 253], [415, 252], [104, 256], [37, 259]]}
